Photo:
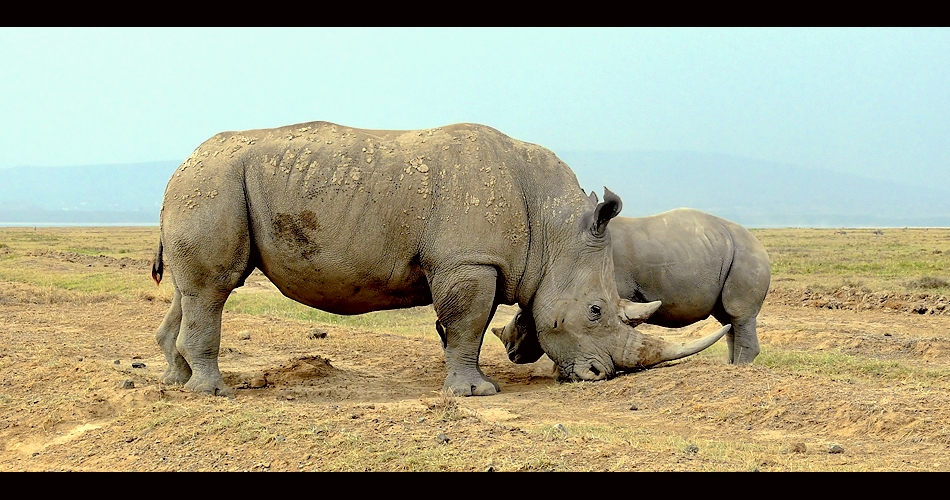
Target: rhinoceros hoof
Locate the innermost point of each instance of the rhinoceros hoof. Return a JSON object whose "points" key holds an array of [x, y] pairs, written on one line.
{"points": [[175, 377], [480, 386], [214, 388], [745, 356]]}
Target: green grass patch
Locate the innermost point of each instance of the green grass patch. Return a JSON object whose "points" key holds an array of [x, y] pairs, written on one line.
{"points": [[92, 282], [884, 260], [928, 283], [134, 242], [94, 251], [839, 366]]}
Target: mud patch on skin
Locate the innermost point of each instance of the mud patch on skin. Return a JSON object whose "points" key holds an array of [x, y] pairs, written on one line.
{"points": [[294, 230]]}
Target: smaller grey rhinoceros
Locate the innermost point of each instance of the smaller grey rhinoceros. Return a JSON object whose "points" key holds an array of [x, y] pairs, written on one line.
{"points": [[682, 266]]}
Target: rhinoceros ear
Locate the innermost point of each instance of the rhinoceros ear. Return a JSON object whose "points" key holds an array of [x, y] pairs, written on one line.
{"points": [[593, 198], [605, 211]]}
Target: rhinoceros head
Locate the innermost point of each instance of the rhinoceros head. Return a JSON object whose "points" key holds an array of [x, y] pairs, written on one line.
{"points": [[578, 317]]}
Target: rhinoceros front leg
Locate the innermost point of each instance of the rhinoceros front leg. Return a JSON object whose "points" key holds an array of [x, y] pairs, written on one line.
{"points": [[464, 299], [743, 341], [178, 371], [199, 340]]}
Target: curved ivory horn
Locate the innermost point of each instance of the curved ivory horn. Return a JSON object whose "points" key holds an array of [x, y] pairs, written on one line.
{"points": [[641, 351], [634, 313]]}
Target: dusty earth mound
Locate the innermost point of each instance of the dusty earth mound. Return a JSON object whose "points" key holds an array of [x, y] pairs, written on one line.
{"points": [[858, 299]]}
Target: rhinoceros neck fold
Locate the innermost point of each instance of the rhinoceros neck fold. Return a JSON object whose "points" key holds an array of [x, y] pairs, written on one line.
{"points": [[552, 214]]}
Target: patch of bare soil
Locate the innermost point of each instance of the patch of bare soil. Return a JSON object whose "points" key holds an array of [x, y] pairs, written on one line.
{"points": [[79, 390]]}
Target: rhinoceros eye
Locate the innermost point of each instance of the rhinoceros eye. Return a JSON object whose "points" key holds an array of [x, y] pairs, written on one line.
{"points": [[594, 312]]}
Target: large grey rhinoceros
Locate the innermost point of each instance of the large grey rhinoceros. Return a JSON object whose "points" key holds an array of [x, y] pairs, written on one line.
{"points": [[351, 221], [685, 265]]}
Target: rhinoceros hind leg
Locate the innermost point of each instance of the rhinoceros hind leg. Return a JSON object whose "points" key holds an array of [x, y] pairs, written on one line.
{"points": [[178, 371], [464, 299], [199, 341]]}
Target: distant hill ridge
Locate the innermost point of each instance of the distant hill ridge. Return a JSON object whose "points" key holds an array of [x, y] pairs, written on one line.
{"points": [[130, 193], [751, 192], [757, 193]]}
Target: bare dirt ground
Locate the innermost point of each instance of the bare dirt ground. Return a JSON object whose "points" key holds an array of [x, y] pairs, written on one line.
{"points": [[870, 393]]}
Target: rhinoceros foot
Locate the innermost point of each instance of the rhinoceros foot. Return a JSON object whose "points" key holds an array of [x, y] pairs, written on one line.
{"points": [[744, 355], [472, 385], [176, 375], [209, 385]]}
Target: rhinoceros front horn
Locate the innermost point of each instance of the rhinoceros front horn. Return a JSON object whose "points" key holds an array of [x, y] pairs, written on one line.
{"points": [[641, 351]]}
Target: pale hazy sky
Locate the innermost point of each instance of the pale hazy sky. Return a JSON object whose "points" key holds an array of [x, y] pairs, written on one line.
{"points": [[867, 101]]}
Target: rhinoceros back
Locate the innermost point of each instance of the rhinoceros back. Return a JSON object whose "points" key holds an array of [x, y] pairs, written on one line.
{"points": [[350, 220]]}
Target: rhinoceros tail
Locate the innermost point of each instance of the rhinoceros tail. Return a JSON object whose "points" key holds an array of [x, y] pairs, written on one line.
{"points": [[157, 267]]}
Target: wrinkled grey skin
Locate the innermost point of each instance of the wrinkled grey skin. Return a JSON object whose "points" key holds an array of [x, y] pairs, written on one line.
{"points": [[694, 263], [351, 221]]}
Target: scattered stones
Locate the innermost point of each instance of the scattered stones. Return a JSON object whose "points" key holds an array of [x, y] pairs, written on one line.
{"points": [[116, 362], [442, 438], [128, 384], [317, 333], [834, 448], [561, 428], [421, 419], [244, 335], [634, 407], [138, 364], [799, 448], [691, 449]]}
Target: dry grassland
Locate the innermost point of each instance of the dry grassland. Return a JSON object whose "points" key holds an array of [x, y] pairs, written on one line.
{"points": [[854, 375]]}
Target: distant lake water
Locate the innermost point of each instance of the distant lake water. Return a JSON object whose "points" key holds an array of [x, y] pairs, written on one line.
{"points": [[78, 224]]}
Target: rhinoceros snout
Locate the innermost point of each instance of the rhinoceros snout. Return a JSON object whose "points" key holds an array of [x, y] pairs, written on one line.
{"points": [[591, 371]]}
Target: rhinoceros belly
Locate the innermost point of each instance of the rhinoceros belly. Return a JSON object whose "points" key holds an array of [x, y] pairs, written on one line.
{"points": [[348, 282]]}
